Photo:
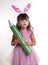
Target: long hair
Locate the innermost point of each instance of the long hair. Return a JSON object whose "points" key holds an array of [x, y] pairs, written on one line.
{"points": [[22, 16]]}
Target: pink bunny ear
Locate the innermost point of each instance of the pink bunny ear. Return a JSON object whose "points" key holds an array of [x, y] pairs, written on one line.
{"points": [[16, 9], [27, 7]]}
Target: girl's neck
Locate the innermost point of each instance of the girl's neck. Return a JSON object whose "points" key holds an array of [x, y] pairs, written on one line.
{"points": [[23, 28]]}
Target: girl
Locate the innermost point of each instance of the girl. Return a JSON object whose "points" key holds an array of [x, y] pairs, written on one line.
{"points": [[19, 57]]}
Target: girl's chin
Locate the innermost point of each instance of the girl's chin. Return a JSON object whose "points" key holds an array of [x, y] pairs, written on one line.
{"points": [[24, 27]]}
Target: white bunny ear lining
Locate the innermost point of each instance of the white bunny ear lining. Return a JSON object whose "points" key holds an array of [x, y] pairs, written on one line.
{"points": [[18, 9]]}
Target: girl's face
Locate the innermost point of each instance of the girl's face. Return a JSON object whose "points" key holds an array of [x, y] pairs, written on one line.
{"points": [[24, 23]]}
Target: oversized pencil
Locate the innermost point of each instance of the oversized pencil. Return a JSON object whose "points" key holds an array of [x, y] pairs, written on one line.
{"points": [[18, 35]]}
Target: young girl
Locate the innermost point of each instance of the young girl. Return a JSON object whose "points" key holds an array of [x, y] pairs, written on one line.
{"points": [[19, 57]]}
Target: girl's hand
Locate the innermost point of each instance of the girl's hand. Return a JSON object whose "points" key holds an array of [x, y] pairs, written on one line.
{"points": [[17, 41], [28, 43]]}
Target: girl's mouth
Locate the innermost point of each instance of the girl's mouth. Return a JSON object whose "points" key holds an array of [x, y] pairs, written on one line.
{"points": [[24, 24]]}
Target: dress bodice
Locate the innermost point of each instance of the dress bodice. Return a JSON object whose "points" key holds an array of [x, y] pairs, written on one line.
{"points": [[26, 35]]}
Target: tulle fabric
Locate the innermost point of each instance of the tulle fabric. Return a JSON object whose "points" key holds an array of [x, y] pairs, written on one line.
{"points": [[18, 57]]}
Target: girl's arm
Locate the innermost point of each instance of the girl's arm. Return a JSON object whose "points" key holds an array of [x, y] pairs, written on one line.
{"points": [[15, 41], [33, 41]]}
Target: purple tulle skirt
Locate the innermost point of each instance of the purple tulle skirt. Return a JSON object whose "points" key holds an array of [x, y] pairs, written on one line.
{"points": [[18, 57]]}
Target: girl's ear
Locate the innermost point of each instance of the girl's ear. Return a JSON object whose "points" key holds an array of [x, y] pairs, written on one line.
{"points": [[27, 7], [16, 9]]}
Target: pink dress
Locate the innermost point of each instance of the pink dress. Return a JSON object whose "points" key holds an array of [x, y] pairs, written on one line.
{"points": [[18, 57]]}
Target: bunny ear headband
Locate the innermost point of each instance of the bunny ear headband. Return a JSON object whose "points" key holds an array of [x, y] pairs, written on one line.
{"points": [[18, 9], [25, 9]]}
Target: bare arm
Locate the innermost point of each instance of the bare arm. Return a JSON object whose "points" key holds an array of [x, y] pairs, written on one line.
{"points": [[15, 41], [33, 41]]}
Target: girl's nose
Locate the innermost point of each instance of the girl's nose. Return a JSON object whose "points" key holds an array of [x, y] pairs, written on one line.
{"points": [[24, 21]]}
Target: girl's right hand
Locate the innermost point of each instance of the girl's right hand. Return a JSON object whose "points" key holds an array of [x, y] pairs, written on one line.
{"points": [[17, 41]]}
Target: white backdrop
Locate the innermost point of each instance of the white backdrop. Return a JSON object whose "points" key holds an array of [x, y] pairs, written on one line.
{"points": [[39, 20]]}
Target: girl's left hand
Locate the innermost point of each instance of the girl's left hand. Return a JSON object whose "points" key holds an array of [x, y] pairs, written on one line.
{"points": [[28, 43]]}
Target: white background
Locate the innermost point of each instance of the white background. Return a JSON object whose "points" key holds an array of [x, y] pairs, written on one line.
{"points": [[38, 14]]}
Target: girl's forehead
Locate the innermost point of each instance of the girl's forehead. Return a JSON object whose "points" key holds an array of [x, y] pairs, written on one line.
{"points": [[24, 19]]}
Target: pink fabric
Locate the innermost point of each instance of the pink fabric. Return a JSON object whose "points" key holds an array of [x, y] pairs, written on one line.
{"points": [[27, 7], [16, 9], [18, 57], [26, 35]]}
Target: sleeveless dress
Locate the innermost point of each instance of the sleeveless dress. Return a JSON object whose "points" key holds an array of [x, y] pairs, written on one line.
{"points": [[18, 57]]}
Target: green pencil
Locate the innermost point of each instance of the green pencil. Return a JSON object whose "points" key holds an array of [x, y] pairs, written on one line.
{"points": [[18, 35]]}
